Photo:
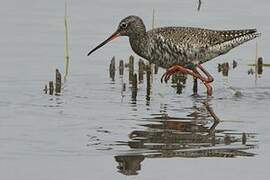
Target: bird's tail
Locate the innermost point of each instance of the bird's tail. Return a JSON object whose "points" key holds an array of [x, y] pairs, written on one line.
{"points": [[237, 37], [230, 39]]}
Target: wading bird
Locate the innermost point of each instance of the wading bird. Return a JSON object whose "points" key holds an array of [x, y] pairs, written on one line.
{"points": [[180, 49]]}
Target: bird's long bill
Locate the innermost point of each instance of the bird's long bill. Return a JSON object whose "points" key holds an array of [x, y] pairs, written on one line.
{"points": [[112, 37]]}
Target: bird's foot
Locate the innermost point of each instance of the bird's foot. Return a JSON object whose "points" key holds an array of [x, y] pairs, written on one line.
{"points": [[174, 69], [177, 68]]}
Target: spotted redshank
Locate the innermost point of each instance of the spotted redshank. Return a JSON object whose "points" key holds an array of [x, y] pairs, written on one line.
{"points": [[180, 49]]}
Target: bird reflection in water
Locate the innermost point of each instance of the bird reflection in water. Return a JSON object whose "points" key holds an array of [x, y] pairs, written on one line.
{"points": [[192, 136], [129, 164]]}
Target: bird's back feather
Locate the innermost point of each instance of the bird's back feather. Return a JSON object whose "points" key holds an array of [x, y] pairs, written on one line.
{"points": [[197, 45]]}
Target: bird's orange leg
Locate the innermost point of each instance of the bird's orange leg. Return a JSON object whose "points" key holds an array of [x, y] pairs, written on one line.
{"points": [[208, 75], [207, 80], [177, 68]]}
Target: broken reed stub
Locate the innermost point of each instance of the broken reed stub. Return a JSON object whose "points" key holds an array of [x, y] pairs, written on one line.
{"points": [[124, 87], [179, 88], [148, 74], [227, 140], [58, 82], [141, 70], [199, 5], [112, 69], [121, 67], [250, 71], [260, 65], [225, 69], [131, 63], [219, 67], [156, 69], [51, 88], [234, 64], [131, 68], [244, 138], [195, 86], [148, 83], [179, 78], [134, 83], [45, 89], [134, 87]]}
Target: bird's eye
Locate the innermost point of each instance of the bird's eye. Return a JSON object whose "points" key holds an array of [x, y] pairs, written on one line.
{"points": [[123, 25]]}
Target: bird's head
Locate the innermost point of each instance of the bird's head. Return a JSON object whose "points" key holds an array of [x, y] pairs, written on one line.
{"points": [[129, 26]]}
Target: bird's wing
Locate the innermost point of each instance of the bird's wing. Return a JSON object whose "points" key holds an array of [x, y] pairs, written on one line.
{"points": [[198, 37], [195, 45]]}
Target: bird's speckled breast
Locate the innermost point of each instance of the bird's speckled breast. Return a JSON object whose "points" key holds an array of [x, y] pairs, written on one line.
{"points": [[161, 51], [140, 45]]}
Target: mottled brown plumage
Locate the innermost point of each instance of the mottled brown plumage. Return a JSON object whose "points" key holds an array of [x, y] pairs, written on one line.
{"points": [[167, 46], [187, 47]]}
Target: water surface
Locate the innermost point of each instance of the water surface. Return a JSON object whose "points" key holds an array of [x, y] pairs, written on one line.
{"points": [[94, 130]]}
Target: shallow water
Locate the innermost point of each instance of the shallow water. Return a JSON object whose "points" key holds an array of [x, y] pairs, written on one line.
{"points": [[94, 130]]}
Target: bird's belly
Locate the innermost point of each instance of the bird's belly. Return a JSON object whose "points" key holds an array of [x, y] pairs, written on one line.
{"points": [[167, 59], [212, 53], [186, 59]]}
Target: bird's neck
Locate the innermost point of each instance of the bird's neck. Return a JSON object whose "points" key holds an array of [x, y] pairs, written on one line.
{"points": [[139, 44]]}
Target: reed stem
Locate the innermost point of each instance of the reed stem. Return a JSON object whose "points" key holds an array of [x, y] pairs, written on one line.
{"points": [[66, 44]]}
